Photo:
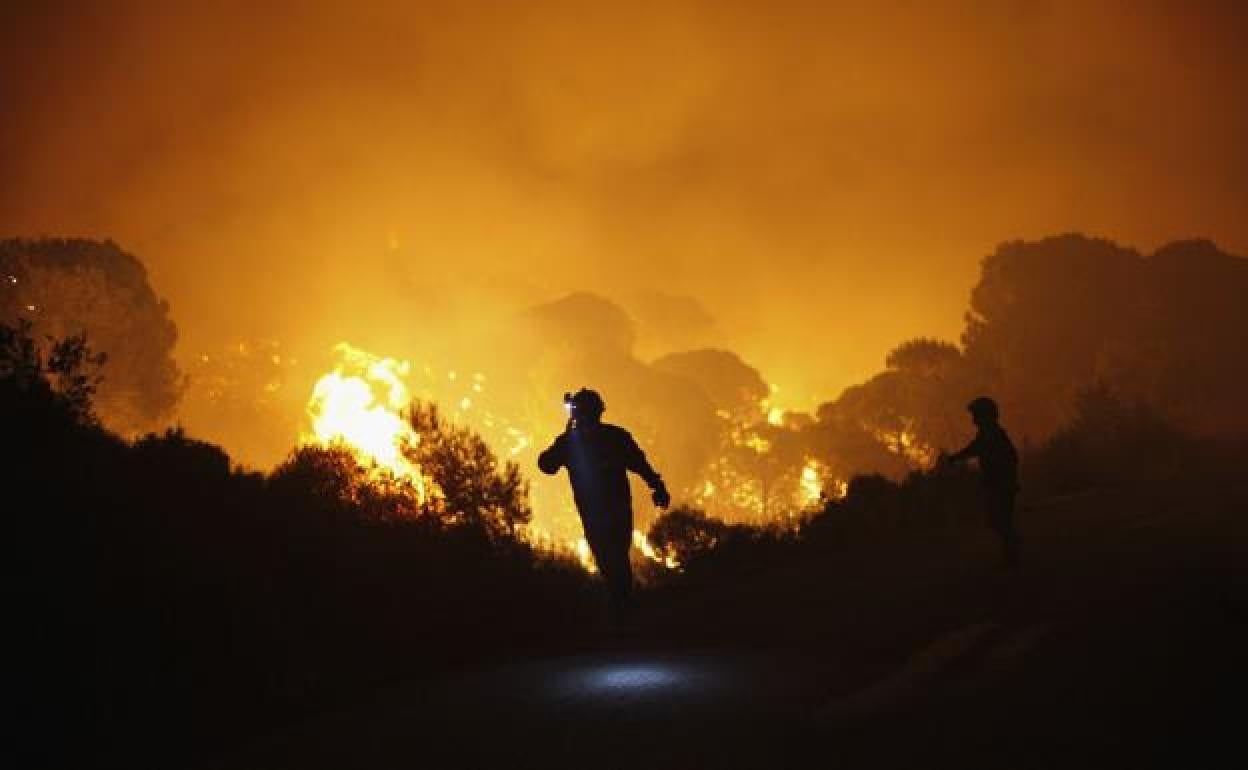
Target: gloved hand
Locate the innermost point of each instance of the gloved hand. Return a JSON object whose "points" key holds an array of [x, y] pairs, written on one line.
{"points": [[660, 496]]}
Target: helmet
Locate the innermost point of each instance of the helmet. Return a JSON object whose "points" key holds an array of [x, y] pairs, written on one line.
{"points": [[585, 403], [984, 408]]}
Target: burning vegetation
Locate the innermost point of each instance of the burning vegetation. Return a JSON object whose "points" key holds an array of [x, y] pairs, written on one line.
{"points": [[360, 406], [367, 406]]}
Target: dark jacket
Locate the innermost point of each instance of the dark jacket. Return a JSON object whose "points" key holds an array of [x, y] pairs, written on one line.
{"points": [[598, 459], [998, 460]]}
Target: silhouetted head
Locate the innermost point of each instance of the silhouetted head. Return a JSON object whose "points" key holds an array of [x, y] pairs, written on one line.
{"points": [[585, 406], [983, 411]]}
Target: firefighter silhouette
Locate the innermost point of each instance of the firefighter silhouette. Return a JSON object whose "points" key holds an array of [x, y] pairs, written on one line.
{"points": [[998, 471], [598, 457]]}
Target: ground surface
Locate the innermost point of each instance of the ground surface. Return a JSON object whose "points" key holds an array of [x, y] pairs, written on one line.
{"points": [[1119, 644]]}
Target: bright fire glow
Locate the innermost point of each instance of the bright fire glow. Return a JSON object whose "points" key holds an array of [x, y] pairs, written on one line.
{"points": [[641, 543], [360, 405], [811, 487], [775, 416], [586, 557]]}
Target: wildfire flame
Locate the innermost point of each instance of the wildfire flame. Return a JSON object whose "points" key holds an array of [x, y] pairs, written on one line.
{"points": [[360, 405], [642, 544], [811, 487], [586, 557]]}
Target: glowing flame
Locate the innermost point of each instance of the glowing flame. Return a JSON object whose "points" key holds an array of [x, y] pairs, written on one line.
{"points": [[775, 416], [840, 489], [758, 444], [360, 405], [811, 487], [907, 444], [642, 544], [586, 557]]}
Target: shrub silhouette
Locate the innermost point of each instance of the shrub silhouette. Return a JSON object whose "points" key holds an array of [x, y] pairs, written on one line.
{"points": [[472, 487], [710, 549], [1110, 442], [686, 533]]}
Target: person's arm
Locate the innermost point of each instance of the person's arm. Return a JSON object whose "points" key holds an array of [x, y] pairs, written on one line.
{"points": [[635, 460], [555, 456], [967, 452]]}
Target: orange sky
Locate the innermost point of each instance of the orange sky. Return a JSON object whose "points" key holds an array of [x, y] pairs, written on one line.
{"points": [[823, 181]]}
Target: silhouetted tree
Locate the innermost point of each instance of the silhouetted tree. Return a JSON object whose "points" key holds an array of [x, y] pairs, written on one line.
{"points": [[66, 373], [470, 486], [66, 287], [733, 386], [1110, 441], [670, 321], [1047, 321], [915, 406], [1051, 317], [864, 430]]}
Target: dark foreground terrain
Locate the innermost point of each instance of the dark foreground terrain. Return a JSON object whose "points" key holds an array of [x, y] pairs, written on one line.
{"points": [[1118, 644]]}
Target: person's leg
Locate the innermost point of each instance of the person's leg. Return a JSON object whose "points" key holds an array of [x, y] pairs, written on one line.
{"points": [[597, 540], [619, 536], [1001, 512], [610, 539], [603, 545], [615, 540], [622, 572]]}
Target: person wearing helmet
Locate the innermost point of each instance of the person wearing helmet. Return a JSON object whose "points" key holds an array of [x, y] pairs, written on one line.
{"points": [[998, 470], [598, 457]]}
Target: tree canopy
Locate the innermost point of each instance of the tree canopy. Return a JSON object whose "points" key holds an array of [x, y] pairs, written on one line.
{"points": [[65, 287]]}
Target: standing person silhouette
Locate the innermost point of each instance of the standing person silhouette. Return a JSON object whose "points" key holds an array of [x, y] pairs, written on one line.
{"points": [[998, 471], [598, 457]]}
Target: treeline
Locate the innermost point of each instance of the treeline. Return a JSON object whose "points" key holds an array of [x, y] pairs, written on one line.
{"points": [[1109, 445], [171, 601], [1052, 319], [1088, 347], [1046, 320]]}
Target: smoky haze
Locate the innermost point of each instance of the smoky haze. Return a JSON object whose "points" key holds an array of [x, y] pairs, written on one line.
{"points": [[804, 187]]}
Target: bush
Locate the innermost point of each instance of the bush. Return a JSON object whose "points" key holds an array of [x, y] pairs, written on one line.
{"points": [[710, 547], [1109, 442]]}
